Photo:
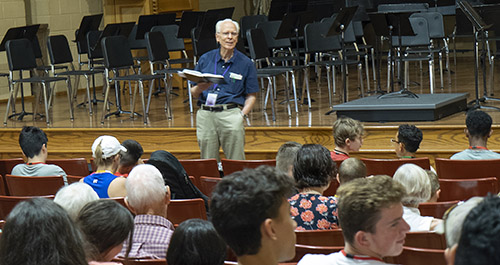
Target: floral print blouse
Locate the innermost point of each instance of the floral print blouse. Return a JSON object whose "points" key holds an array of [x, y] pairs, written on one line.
{"points": [[314, 211]]}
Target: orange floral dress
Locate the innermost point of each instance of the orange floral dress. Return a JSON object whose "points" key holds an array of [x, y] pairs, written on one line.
{"points": [[314, 211]]}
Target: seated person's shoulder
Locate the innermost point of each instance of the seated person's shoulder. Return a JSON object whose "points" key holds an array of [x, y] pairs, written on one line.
{"points": [[314, 259], [117, 187]]}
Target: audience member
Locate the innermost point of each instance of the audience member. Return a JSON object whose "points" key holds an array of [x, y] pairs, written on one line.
{"points": [[175, 176], [351, 168], [38, 231], [130, 158], [478, 131], [195, 242], [479, 242], [73, 197], [418, 190], [313, 171], [105, 224], [285, 157], [106, 153], [250, 211], [148, 198], [407, 141], [348, 137], [452, 225], [33, 142], [370, 214], [435, 187]]}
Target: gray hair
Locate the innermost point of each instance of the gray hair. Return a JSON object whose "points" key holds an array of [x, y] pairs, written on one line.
{"points": [[73, 197], [145, 187], [416, 182], [219, 25], [286, 155]]}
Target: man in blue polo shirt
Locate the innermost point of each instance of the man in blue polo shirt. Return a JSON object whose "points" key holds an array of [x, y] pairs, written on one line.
{"points": [[219, 121]]}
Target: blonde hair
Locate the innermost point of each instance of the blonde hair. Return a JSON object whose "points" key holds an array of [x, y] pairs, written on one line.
{"points": [[346, 128], [416, 182], [99, 160]]}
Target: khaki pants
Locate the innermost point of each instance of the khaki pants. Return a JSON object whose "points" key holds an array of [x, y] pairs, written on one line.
{"points": [[216, 129]]}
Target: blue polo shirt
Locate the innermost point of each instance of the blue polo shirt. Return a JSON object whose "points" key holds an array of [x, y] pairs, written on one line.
{"points": [[235, 91]]}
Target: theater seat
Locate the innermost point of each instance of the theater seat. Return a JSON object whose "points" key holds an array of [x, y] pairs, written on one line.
{"points": [[389, 166], [302, 250], [207, 185], [331, 237], [33, 186], [200, 167], [425, 240], [229, 166], [464, 189], [181, 210], [435, 209], [419, 256], [7, 203]]}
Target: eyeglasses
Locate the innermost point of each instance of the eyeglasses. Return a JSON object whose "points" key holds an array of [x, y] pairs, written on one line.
{"points": [[395, 141], [447, 213], [226, 34]]}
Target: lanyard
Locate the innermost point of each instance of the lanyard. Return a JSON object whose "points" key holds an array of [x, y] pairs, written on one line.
{"points": [[478, 147], [215, 70]]}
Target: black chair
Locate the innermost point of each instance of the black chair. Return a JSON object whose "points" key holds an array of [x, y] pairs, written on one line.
{"points": [[137, 44], [200, 45], [249, 22], [158, 55], [117, 56], [60, 53], [174, 43], [259, 52], [21, 57]]}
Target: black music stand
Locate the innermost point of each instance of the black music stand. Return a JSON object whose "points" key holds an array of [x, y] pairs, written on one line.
{"points": [[189, 20], [211, 17], [382, 29], [293, 25], [88, 23], [279, 8], [338, 27], [146, 22], [25, 32], [479, 27], [399, 22]]}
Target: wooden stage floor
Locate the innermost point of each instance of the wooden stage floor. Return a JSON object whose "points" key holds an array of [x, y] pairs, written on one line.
{"points": [[184, 123]]}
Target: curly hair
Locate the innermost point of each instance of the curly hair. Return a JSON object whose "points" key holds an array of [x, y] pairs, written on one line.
{"points": [[478, 123], [410, 136]]}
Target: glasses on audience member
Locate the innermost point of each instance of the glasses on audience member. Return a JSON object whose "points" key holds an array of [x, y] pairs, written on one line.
{"points": [[447, 213], [226, 34], [395, 141]]}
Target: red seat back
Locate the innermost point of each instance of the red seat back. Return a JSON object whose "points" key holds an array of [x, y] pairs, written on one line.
{"points": [[229, 166], [389, 166], [463, 189]]}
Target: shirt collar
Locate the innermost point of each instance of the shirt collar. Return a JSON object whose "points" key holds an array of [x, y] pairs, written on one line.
{"points": [[230, 60]]}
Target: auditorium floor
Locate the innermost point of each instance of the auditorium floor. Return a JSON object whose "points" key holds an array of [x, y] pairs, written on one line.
{"points": [[462, 80]]}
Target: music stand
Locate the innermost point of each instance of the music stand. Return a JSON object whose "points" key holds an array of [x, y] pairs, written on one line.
{"points": [[146, 22], [381, 29], [399, 21], [478, 27], [25, 32], [88, 23], [189, 20], [292, 26], [338, 27], [210, 18]]}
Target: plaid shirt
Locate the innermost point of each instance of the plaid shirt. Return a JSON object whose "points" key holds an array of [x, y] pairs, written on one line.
{"points": [[152, 235]]}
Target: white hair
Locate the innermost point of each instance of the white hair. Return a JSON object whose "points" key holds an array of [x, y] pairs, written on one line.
{"points": [[73, 197], [145, 188], [219, 25], [416, 182]]}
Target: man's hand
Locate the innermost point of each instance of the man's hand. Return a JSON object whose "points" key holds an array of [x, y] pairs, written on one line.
{"points": [[200, 87]]}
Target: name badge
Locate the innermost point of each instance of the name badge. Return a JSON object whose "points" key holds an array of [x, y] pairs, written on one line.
{"points": [[211, 99], [235, 76]]}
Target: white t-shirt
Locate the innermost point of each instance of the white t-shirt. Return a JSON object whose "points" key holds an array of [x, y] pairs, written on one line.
{"points": [[338, 258], [416, 222]]}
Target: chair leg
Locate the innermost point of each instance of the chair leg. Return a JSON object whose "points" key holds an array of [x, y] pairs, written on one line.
{"points": [[132, 102], [367, 70], [294, 87], [190, 98], [492, 71], [12, 91], [44, 90], [441, 69], [329, 85], [150, 93], [269, 92], [431, 75], [141, 90], [407, 74], [88, 94], [168, 99], [70, 98], [360, 79], [105, 105]]}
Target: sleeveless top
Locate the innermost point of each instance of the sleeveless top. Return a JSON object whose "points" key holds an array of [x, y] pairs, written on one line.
{"points": [[100, 183]]}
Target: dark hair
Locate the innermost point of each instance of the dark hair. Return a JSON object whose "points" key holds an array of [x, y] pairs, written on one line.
{"points": [[478, 123], [479, 243], [351, 168], [286, 155], [242, 201], [133, 154], [105, 224], [31, 140], [361, 201], [313, 166], [410, 136], [38, 231], [196, 242]]}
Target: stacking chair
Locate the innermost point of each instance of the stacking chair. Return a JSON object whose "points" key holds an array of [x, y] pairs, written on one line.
{"points": [[174, 43], [277, 46], [117, 56], [158, 55], [7, 203], [463, 189], [21, 58], [201, 167], [60, 53], [72, 166], [435, 209], [207, 185], [33, 186], [329, 237], [418, 256], [182, 210], [389, 166], [249, 22], [425, 240], [229, 166], [463, 169], [302, 250]]}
